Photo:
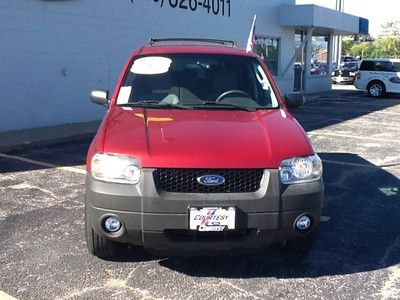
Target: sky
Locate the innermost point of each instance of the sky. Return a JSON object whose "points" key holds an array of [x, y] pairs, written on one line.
{"points": [[376, 11]]}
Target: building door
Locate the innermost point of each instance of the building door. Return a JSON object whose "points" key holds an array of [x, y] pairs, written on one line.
{"points": [[299, 63]]}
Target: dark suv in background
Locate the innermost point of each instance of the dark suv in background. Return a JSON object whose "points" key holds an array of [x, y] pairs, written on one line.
{"points": [[346, 73]]}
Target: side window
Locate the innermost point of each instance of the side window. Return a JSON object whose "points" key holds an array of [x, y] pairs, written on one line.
{"points": [[396, 67], [383, 66], [367, 65], [386, 66], [378, 66]]}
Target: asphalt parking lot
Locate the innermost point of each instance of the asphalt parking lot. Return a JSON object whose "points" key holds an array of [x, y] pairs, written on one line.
{"points": [[43, 253]]}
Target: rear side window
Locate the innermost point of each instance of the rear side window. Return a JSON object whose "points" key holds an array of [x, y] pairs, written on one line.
{"points": [[383, 66], [396, 67]]}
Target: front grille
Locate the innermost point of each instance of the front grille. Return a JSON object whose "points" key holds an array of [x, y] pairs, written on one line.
{"points": [[345, 73], [185, 180]]}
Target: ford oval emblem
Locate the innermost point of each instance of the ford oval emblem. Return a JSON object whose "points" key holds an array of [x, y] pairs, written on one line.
{"points": [[211, 180]]}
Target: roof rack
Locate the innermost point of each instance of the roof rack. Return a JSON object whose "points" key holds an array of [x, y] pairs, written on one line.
{"points": [[192, 40]]}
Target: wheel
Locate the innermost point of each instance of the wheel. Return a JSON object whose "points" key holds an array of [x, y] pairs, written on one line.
{"points": [[98, 245], [376, 89]]}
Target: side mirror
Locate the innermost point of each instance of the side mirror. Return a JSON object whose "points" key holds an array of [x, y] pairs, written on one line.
{"points": [[100, 97], [294, 100]]}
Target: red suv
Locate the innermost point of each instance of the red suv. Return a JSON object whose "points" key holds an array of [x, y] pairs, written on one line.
{"points": [[197, 154]]}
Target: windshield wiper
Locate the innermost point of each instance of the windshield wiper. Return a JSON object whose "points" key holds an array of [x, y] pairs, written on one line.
{"points": [[224, 105], [154, 104], [140, 103]]}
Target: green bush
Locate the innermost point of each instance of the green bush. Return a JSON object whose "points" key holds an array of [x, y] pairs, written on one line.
{"points": [[386, 47]]}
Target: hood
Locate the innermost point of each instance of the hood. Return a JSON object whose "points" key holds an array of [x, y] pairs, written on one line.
{"points": [[168, 138]]}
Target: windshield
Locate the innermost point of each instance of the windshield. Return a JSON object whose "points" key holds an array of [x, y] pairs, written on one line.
{"points": [[197, 81], [350, 65]]}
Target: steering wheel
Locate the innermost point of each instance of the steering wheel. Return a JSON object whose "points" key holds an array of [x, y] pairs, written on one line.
{"points": [[227, 93]]}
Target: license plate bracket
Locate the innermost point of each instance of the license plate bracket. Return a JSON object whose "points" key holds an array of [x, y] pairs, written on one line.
{"points": [[212, 218]]}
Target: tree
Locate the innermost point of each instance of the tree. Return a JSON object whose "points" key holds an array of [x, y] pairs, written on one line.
{"points": [[346, 47], [390, 29], [388, 47], [362, 50], [349, 41]]}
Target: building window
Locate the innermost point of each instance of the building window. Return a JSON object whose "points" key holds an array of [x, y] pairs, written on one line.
{"points": [[268, 49], [319, 61], [299, 65]]}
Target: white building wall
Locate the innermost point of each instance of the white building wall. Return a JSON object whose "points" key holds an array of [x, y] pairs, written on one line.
{"points": [[287, 51], [53, 52]]}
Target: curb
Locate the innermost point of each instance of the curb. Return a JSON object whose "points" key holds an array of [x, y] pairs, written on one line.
{"points": [[15, 140], [311, 98], [299, 99]]}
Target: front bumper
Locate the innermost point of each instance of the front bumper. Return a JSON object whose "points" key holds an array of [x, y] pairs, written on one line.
{"points": [[344, 79], [159, 220]]}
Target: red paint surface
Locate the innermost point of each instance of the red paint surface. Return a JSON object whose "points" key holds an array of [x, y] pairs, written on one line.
{"points": [[203, 138]]}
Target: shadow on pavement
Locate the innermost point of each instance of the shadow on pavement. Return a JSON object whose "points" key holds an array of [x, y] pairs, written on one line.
{"points": [[72, 153], [363, 203], [339, 106]]}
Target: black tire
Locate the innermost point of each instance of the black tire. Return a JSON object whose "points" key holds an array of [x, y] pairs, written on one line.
{"points": [[98, 245], [376, 89], [301, 246]]}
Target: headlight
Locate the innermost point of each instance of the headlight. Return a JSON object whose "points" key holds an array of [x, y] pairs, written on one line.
{"points": [[300, 169], [115, 168], [353, 73]]}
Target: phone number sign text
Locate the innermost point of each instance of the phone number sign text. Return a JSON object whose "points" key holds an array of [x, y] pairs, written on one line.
{"points": [[214, 7]]}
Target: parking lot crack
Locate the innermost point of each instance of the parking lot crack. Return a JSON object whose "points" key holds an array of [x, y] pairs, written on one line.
{"points": [[351, 136], [130, 274], [243, 291], [120, 285], [389, 250], [391, 287], [22, 186], [80, 293], [390, 165]]}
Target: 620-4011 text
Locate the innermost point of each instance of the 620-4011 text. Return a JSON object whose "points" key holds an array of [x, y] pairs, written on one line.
{"points": [[216, 7]]}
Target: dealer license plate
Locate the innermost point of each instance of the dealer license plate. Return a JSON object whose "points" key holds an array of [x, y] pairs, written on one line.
{"points": [[212, 218]]}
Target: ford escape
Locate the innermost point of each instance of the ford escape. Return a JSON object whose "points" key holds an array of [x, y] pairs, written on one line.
{"points": [[196, 154]]}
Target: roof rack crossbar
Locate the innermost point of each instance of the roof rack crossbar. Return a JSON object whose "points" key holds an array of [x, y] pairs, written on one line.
{"points": [[192, 40]]}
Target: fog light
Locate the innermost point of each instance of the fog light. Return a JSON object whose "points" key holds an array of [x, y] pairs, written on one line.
{"points": [[112, 224], [303, 223]]}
